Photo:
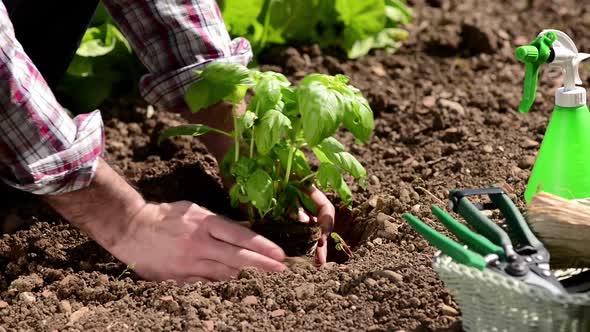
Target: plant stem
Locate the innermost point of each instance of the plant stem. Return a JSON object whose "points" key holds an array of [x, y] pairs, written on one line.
{"points": [[307, 177], [252, 144], [289, 162], [236, 133], [221, 132], [265, 29], [252, 130]]}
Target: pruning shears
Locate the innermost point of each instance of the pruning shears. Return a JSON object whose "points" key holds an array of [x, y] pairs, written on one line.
{"points": [[526, 259]]}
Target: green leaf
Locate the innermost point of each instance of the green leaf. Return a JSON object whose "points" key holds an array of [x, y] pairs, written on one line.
{"points": [[260, 190], [329, 177], [389, 39], [287, 202], [362, 19], [321, 155], [94, 43], [271, 75], [240, 15], [246, 121], [102, 40], [268, 91], [265, 162], [300, 164], [289, 99], [227, 163], [361, 47], [121, 43], [219, 81], [268, 95], [237, 195], [243, 168], [397, 12], [358, 118], [86, 93], [334, 152], [184, 130], [307, 202], [270, 129], [101, 16], [81, 67], [357, 114], [366, 16], [321, 111], [234, 195], [293, 19], [332, 82]]}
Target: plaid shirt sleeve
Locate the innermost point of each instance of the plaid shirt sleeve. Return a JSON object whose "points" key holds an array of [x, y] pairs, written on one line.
{"points": [[173, 39], [42, 149]]}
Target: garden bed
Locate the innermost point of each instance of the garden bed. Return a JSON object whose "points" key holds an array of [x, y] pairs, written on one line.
{"points": [[445, 108]]}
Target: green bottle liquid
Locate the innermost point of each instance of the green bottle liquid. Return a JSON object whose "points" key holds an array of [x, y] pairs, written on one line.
{"points": [[562, 167]]}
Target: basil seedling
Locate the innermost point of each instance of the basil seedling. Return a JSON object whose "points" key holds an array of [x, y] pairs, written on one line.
{"points": [[267, 163]]}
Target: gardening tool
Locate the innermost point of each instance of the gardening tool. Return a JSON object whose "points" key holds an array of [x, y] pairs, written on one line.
{"points": [[526, 260], [564, 156]]}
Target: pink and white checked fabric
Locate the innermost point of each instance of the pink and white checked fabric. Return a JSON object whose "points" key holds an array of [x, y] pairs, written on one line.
{"points": [[43, 150]]}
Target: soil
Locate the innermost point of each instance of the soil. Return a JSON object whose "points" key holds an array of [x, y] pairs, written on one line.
{"points": [[295, 238], [446, 117]]}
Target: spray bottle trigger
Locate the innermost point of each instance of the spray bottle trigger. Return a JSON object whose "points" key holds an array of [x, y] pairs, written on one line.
{"points": [[581, 57]]}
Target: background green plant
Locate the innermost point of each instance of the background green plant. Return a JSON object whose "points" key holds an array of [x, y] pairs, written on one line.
{"points": [[353, 25], [105, 66]]}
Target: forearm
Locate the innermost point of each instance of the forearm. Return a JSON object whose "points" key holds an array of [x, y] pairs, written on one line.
{"points": [[218, 116], [103, 209]]}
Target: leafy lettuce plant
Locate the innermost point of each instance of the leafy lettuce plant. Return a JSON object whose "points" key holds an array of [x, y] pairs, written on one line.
{"points": [[353, 25], [104, 66], [267, 163]]}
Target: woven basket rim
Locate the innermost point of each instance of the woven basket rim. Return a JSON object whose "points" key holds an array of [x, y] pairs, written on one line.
{"points": [[512, 286]]}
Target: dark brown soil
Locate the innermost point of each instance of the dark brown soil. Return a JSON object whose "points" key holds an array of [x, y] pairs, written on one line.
{"points": [[445, 108], [296, 239]]}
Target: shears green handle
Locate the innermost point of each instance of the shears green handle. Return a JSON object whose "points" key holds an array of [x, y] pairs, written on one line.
{"points": [[474, 241], [519, 228], [449, 247], [483, 224]]}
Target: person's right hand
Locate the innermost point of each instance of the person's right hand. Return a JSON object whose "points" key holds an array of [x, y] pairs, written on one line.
{"points": [[187, 243], [180, 241]]}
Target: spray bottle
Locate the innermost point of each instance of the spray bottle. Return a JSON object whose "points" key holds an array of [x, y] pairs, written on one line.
{"points": [[562, 167]]}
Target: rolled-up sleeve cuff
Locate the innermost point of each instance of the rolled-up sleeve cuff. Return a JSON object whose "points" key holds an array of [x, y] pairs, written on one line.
{"points": [[166, 90], [70, 169]]}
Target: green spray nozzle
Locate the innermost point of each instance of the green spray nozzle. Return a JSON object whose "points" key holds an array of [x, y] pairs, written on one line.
{"points": [[534, 55]]}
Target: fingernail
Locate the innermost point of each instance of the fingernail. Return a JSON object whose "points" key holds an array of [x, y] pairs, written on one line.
{"points": [[277, 254], [303, 217]]}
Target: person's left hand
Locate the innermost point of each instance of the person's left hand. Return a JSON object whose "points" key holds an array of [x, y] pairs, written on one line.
{"points": [[325, 219]]}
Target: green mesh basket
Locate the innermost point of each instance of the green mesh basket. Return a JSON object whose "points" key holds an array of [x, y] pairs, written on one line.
{"points": [[490, 301]]}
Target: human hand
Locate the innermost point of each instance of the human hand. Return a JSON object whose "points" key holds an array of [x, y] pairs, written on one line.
{"points": [[324, 219], [180, 241], [217, 116], [187, 243]]}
